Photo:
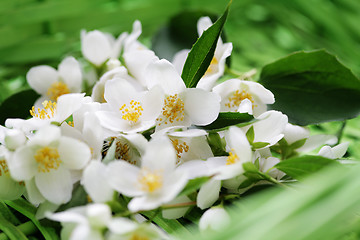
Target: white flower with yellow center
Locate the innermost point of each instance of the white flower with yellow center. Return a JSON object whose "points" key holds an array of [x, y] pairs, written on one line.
{"points": [[49, 112], [51, 83], [182, 106], [128, 110], [45, 162], [243, 96], [217, 65], [156, 182]]}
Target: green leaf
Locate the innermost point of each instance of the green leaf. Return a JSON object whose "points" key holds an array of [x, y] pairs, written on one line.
{"points": [[250, 134], [298, 143], [169, 225], [217, 144], [299, 167], [258, 145], [7, 214], [18, 105], [180, 33], [10, 230], [312, 87], [28, 210], [202, 52], [193, 185], [226, 119]]}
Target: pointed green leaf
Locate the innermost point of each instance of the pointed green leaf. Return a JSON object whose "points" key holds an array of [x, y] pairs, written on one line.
{"points": [[18, 105], [250, 134], [202, 52], [299, 167], [258, 145], [312, 87], [226, 119], [11, 231], [193, 185]]}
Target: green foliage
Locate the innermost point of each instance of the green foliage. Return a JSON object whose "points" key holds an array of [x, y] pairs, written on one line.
{"points": [[202, 52], [226, 119], [17, 105], [298, 167], [193, 185], [307, 84]]}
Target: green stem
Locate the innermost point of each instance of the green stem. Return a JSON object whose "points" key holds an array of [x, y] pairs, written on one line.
{"points": [[241, 75], [178, 205], [341, 131]]}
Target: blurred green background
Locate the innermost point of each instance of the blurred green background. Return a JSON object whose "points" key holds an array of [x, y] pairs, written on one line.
{"points": [[34, 32]]}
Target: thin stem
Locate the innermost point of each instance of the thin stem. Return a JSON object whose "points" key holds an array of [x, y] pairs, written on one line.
{"points": [[341, 131], [178, 205]]}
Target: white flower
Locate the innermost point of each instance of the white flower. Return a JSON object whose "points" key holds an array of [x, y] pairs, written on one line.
{"points": [[45, 162], [155, 183], [269, 128], [97, 47], [182, 106], [124, 229], [334, 152], [84, 223], [51, 112], [10, 189], [217, 65], [51, 83], [214, 219], [128, 110], [243, 96]]}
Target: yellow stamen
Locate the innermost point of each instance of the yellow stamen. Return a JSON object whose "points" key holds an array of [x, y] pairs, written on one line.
{"points": [[3, 167], [150, 181], [122, 151], [56, 90], [70, 123], [237, 97], [47, 112], [232, 158], [132, 113], [212, 67], [179, 147], [47, 158], [172, 111]]}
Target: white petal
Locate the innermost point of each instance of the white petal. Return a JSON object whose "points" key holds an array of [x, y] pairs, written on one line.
{"points": [[152, 104], [215, 218], [164, 73], [40, 78], [22, 165], [67, 216], [315, 141], [55, 186], [245, 106], [293, 133], [236, 139], [261, 92], [70, 72], [189, 133], [92, 132], [208, 194], [195, 168], [32, 192], [67, 104], [159, 154], [46, 135], [73, 153], [203, 24], [95, 47], [179, 60], [340, 149], [95, 183], [202, 107], [123, 177]]}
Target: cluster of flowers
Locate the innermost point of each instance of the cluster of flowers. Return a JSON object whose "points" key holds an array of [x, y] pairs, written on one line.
{"points": [[139, 136]]}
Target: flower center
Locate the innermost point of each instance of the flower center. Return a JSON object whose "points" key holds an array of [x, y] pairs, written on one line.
{"points": [[212, 67], [237, 97], [47, 158], [173, 110], [136, 236], [150, 181], [179, 147], [132, 113], [56, 90], [122, 151], [47, 112], [232, 158], [3, 167]]}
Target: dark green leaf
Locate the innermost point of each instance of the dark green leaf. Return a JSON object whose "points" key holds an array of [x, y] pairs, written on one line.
{"points": [[10, 230], [312, 87], [7, 214], [250, 134], [193, 185], [28, 210], [18, 105], [217, 144], [226, 119], [202, 52], [299, 167]]}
